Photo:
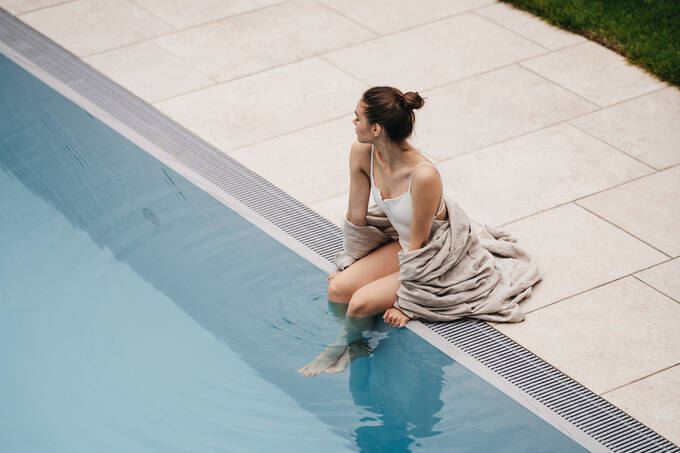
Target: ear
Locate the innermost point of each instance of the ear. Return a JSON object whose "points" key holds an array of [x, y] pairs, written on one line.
{"points": [[377, 130]]}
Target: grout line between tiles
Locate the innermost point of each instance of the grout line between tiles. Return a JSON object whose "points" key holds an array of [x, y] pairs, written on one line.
{"points": [[507, 139], [41, 8], [135, 3], [639, 379], [321, 57], [633, 98], [176, 31], [562, 299], [183, 93], [631, 274], [654, 287], [308, 126], [474, 11], [613, 146], [598, 107], [576, 202], [340, 13]]}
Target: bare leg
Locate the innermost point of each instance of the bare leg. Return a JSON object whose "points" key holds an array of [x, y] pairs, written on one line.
{"points": [[370, 300]]}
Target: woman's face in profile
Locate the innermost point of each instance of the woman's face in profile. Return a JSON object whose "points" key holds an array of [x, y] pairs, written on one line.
{"points": [[361, 126]]}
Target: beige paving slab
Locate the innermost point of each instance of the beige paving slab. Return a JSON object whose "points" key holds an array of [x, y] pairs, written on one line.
{"points": [[646, 127], [22, 6], [334, 208], [267, 104], [576, 251], [89, 26], [648, 208], [665, 277], [263, 39], [183, 14], [385, 16], [149, 71], [654, 401], [434, 54], [538, 171], [606, 337], [311, 165], [595, 73], [491, 107], [529, 26]]}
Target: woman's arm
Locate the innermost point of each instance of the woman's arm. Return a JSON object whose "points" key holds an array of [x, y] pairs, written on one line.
{"points": [[426, 192], [359, 183]]}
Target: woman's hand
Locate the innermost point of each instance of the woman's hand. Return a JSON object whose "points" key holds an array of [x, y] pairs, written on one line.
{"points": [[395, 317], [332, 276]]}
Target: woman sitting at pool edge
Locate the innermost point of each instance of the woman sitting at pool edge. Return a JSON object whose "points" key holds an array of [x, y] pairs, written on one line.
{"points": [[408, 190]]}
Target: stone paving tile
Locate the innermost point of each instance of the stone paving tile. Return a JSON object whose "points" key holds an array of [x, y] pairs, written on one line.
{"points": [[385, 16], [263, 39], [654, 399], [576, 251], [23, 6], [646, 127], [265, 105], [648, 208], [529, 26], [595, 73], [665, 277], [89, 26], [491, 107], [149, 71], [311, 165], [537, 171], [334, 209], [606, 337], [182, 14], [434, 54]]}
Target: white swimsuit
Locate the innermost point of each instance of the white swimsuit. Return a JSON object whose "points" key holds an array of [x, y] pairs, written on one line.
{"points": [[400, 209]]}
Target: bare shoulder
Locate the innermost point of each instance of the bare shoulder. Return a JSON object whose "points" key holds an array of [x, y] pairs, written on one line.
{"points": [[360, 156], [425, 176]]}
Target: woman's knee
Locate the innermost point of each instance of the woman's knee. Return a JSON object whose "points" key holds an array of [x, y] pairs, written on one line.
{"points": [[338, 290], [359, 305]]}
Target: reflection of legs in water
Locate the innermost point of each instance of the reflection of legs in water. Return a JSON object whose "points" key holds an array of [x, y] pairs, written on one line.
{"points": [[367, 301]]}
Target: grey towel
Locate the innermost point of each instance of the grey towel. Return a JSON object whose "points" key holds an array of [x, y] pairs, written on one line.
{"points": [[460, 272]]}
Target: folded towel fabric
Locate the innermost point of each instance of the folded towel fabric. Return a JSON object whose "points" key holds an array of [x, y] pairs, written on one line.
{"points": [[460, 272]]}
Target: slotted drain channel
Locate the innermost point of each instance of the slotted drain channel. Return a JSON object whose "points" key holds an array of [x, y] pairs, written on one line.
{"points": [[591, 414]]}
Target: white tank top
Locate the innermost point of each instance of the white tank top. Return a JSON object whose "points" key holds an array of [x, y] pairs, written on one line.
{"points": [[400, 209]]}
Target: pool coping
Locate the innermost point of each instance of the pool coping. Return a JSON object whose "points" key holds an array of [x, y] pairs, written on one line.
{"points": [[568, 406]]}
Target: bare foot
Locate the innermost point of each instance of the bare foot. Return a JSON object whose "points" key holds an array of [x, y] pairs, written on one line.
{"points": [[354, 351], [324, 360]]}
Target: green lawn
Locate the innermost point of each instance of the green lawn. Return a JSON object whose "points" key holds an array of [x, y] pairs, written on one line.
{"points": [[647, 32]]}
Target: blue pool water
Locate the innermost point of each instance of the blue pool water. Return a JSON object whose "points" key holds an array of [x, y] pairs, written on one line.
{"points": [[139, 314]]}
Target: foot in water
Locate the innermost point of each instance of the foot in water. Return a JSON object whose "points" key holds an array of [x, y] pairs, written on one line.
{"points": [[354, 351], [324, 360]]}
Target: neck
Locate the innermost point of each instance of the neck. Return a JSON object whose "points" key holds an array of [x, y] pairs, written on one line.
{"points": [[392, 155]]}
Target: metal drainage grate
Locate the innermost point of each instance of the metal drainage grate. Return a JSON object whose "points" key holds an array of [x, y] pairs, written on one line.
{"points": [[593, 415]]}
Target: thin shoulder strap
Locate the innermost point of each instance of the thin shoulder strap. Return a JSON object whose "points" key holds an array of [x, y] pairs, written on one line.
{"points": [[441, 202], [371, 161], [418, 165]]}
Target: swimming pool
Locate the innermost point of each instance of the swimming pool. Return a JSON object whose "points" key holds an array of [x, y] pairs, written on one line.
{"points": [[138, 313]]}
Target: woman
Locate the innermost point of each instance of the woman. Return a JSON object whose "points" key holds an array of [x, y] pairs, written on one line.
{"points": [[404, 184], [438, 269]]}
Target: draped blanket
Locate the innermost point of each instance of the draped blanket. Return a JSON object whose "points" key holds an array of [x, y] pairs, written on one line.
{"points": [[459, 272]]}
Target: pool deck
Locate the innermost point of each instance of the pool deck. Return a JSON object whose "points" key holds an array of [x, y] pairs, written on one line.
{"points": [[553, 137]]}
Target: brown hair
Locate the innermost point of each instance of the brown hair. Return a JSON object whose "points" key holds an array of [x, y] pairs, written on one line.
{"points": [[393, 110]]}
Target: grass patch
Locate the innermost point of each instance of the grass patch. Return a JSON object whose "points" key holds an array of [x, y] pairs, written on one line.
{"points": [[646, 32]]}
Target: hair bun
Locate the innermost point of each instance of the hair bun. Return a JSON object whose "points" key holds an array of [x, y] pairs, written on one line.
{"points": [[413, 101]]}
